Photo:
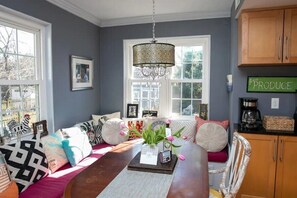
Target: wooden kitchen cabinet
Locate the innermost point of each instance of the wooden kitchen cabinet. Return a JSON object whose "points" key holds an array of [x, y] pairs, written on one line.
{"points": [[267, 37], [272, 168]]}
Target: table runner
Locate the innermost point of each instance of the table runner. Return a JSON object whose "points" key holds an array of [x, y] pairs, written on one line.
{"points": [[135, 184]]}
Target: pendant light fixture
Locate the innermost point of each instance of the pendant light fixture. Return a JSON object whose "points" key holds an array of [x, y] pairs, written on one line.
{"points": [[153, 58]]}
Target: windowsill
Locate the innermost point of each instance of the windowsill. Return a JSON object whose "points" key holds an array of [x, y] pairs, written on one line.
{"points": [[26, 136]]}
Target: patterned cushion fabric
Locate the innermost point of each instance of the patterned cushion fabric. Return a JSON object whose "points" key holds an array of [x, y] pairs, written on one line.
{"points": [[11, 191], [26, 161], [189, 130], [212, 137], [93, 132], [111, 131], [4, 175], [96, 118], [54, 151], [77, 148]]}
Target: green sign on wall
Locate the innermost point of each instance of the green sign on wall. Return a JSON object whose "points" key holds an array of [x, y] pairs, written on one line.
{"points": [[272, 84]]}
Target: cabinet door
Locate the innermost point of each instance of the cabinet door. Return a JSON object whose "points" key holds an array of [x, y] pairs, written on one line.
{"points": [[290, 36], [260, 37], [260, 176], [286, 178]]}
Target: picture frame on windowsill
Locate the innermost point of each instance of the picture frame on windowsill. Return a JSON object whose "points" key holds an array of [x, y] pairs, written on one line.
{"points": [[132, 110]]}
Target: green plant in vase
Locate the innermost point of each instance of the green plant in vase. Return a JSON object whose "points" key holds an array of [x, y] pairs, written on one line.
{"points": [[154, 137]]}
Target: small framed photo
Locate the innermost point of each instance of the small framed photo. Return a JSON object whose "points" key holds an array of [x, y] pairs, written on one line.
{"points": [[40, 127], [132, 110], [82, 72]]}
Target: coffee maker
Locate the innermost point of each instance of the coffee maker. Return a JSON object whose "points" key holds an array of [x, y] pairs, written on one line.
{"points": [[250, 116]]}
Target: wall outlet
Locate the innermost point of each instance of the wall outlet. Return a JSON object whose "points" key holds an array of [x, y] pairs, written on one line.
{"points": [[274, 103]]}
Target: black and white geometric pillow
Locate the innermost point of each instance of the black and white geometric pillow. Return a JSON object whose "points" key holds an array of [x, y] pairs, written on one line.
{"points": [[26, 162], [98, 134]]}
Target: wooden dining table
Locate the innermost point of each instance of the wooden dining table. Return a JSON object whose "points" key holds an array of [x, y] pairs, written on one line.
{"points": [[190, 177]]}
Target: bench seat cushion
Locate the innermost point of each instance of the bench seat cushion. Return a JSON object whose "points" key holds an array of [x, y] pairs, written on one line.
{"points": [[221, 156], [53, 185]]}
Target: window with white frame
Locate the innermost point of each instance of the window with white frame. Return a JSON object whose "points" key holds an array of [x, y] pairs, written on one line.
{"points": [[185, 87], [23, 84]]}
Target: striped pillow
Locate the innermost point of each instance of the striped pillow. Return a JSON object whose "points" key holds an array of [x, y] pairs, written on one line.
{"points": [[4, 176]]}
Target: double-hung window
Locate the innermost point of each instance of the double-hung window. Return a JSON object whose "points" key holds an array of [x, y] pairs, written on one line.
{"points": [[22, 73], [185, 87]]}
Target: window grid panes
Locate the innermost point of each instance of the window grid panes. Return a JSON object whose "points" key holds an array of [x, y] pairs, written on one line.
{"points": [[146, 95], [19, 87], [184, 88]]}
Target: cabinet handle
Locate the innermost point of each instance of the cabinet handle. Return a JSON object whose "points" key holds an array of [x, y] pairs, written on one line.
{"points": [[287, 48], [279, 48], [282, 150], [274, 151]]}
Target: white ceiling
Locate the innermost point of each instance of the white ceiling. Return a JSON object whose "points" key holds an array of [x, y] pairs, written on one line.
{"points": [[122, 12], [106, 13]]}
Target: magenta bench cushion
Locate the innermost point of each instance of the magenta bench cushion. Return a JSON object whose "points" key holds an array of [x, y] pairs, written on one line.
{"points": [[221, 156], [52, 186]]}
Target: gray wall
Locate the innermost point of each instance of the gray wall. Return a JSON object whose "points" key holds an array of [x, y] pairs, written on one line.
{"points": [[287, 102], [71, 35], [111, 59]]}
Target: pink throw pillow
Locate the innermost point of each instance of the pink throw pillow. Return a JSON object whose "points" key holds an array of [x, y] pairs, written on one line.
{"points": [[200, 122]]}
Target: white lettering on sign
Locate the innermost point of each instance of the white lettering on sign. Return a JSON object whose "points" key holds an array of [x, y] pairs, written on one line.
{"points": [[255, 83]]}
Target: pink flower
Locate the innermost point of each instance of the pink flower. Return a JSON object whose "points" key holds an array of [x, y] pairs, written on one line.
{"points": [[181, 157], [170, 138], [168, 121], [122, 125], [123, 133], [185, 137]]}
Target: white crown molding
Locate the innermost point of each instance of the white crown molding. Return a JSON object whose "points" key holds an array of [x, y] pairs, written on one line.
{"points": [[76, 10], [64, 4], [164, 18]]}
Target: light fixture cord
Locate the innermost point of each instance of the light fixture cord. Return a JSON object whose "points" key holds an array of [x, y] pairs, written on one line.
{"points": [[154, 24]]}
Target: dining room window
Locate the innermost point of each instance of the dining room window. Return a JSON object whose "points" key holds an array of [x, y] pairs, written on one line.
{"points": [[23, 84], [182, 90]]}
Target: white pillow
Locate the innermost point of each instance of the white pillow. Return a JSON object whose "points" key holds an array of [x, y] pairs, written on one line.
{"points": [[111, 131], [108, 116], [212, 137], [189, 130], [70, 132]]}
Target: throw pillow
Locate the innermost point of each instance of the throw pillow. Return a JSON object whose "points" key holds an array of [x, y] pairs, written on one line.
{"points": [[11, 191], [93, 132], [70, 132], [96, 118], [77, 148], [26, 161], [4, 175], [189, 130], [212, 137], [54, 152], [111, 131], [200, 122]]}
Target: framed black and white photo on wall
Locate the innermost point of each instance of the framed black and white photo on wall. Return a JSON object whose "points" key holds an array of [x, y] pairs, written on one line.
{"points": [[82, 73], [132, 110]]}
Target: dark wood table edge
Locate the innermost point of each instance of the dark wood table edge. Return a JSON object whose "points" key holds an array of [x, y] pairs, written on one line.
{"points": [[180, 186]]}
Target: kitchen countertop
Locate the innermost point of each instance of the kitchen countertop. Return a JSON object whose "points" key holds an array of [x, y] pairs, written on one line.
{"points": [[263, 131]]}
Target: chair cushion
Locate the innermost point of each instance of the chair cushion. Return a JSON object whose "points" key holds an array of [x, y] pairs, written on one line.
{"points": [[212, 137], [214, 193]]}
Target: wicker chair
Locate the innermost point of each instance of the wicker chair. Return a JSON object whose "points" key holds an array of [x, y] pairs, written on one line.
{"points": [[235, 169]]}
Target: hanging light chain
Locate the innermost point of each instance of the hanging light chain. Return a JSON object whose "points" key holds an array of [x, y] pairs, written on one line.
{"points": [[154, 23]]}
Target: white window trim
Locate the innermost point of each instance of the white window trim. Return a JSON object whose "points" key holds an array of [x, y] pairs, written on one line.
{"points": [[165, 106], [45, 42]]}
